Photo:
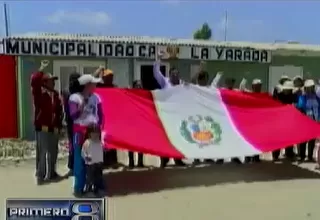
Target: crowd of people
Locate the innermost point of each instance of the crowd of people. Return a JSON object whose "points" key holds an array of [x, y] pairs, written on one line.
{"points": [[81, 109]]}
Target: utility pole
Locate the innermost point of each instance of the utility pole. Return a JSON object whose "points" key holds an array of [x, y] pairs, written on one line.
{"points": [[6, 23], [225, 25]]}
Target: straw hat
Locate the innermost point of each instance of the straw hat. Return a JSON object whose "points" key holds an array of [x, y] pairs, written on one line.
{"points": [[256, 81], [309, 83], [287, 85]]}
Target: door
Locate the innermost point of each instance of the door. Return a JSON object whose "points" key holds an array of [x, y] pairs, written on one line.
{"points": [[147, 79], [275, 73], [63, 69]]}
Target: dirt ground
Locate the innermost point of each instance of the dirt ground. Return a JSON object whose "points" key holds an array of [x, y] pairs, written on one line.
{"points": [[281, 191]]}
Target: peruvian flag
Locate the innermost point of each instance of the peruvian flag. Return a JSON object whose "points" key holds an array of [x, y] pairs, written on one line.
{"points": [[188, 121]]}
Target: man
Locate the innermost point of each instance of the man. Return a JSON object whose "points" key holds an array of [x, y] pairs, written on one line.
{"points": [[48, 115], [202, 79], [309, 104], [256, 87], [110, 156], [284, 94], [164, 82], [230, 84]]}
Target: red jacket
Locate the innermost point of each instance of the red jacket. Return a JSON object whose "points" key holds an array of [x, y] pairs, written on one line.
{"points": [[48, 110]]}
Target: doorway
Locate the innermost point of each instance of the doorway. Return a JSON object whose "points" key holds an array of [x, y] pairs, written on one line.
{"points": [[147, 79]]}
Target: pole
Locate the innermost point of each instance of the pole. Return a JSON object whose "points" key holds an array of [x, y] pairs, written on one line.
{"points": [[226, 25], [6, 19]]}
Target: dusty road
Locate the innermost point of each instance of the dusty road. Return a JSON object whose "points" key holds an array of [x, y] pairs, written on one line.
{"points": [[264, 191]]}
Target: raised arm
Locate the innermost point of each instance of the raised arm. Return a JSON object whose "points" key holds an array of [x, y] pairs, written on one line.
{"points": [[158, 75], [98, 72], [216, 80], [243, 85]]}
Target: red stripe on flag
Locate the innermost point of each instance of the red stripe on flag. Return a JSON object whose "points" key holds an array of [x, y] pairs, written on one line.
{"points": [[131, 122], [267, 124]]}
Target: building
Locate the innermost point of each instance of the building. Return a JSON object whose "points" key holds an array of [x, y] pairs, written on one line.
{"points": [[132, 57]]}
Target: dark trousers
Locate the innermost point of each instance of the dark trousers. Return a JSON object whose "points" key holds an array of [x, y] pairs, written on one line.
{"points": [[71, 154], [110, 157], [288, 153], [46, 154], [131, 159], [94, 179], [303, 147], [165, 160]]}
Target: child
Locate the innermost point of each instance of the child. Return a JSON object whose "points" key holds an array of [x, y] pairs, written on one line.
{"points": [[92, 153]]}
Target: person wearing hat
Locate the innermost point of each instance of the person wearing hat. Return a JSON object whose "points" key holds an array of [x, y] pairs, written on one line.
{"points": [[48, 115], [85, 110], [277, 88], [72, 88], [110, 156], [256, 87], [286, 96], [309, 104]]}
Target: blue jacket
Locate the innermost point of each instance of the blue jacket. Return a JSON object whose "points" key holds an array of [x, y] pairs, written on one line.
{"points": [[309, 105]]}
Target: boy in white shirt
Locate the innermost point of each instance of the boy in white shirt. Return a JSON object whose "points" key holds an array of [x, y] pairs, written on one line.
{"points": [[92, 153]]}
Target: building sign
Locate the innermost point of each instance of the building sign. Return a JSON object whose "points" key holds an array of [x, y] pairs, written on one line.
{"points": [[231, 54], [86, 49], [122, 50]]}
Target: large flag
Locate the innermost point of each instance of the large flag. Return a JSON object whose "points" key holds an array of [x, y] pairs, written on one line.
{"points": [[199, 122]]}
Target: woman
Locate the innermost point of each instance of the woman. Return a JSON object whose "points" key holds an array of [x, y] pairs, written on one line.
{"points": [[73, 88], [136, 85], [85, 110], [309, 104]]}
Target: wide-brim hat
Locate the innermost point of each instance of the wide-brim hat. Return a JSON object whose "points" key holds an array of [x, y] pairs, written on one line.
{"points": [[256, 81], [287, 85], [87, 78], [309, 83]]}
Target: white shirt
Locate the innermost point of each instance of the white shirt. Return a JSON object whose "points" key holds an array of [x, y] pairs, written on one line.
{"points": [[93, 150]]}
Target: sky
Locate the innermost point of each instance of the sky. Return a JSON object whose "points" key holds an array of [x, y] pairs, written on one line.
{"points": [[254, 21]]}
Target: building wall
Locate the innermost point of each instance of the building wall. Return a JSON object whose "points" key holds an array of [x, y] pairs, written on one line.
{"points": [[310, 64]]}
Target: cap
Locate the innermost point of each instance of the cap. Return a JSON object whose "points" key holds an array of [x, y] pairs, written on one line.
{"points": [[256, 81], [107, 72], [87, 78], [309, 83], [287, 85]]}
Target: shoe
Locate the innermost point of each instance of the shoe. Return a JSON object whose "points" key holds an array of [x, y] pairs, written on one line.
{"points": [[140, 165], [196, 162], [311, 160], [210, 161], [54, 176], [130, 166], [40, 181], [236, 161], [220, 161], [78, 194], [247, 159]]}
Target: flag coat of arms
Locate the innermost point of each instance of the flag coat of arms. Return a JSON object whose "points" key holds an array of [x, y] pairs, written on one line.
{"points": [[199, 122]]}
